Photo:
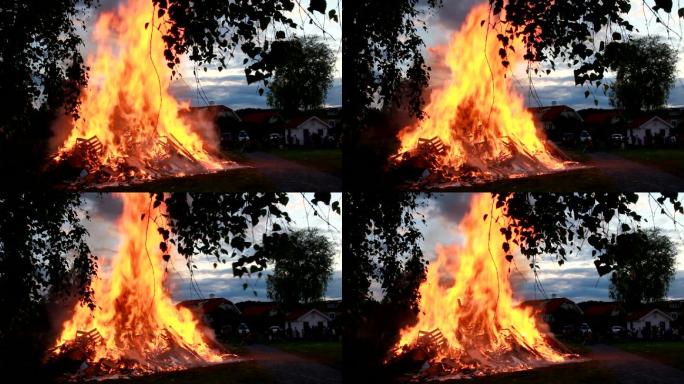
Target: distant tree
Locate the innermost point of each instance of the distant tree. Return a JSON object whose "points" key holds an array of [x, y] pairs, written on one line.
{"points": [[646, 69], [643, 267], [302, 80], [303, 266]]}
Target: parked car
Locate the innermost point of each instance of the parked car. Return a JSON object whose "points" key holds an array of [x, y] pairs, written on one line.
{"points": [[585, 137], [275, 137], [585, 330], [617, 138], [617, 331], [243, 329], [275, 330], [243, 137]]}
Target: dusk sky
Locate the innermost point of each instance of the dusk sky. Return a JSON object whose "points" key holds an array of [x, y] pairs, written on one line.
{"points": [[560, 85], [104, 238], [577, 279], [229, 87]]}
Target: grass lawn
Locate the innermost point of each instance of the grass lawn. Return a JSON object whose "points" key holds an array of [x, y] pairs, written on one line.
{"points": [[325, 352], [583, 372], [245, 372], [666, 352], [236, 180], [590, 179], [325, 160], [668, 160]]}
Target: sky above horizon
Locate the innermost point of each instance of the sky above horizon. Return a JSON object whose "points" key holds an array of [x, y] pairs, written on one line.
{"points": [[229, 87], [104, 239], [559, 86], [577, 279]]}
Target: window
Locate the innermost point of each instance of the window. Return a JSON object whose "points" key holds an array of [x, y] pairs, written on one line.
{"points": [[331, 315], [674, 123]]}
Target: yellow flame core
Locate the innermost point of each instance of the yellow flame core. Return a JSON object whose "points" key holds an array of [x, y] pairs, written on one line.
{"points": [[468, 295], [477, 113], [126, 105], [134, 313]]}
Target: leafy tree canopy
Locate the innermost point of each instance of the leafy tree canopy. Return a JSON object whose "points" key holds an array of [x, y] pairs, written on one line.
{"points": [[302, 81], [383, 246], [303, 266], [643, 264], [646, 69]]}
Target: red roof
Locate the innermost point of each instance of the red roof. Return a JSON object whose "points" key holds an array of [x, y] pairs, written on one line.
{"points": [[599, 116], [551, 113], [253, 309], [258, 117], [207, 305], [641, 312], [296, 121], [638, 121], [547, 306], [599, 309]]}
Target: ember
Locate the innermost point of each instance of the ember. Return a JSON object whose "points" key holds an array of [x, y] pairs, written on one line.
{"points": [[130, 127], [135, 328], [477, 128], [468, 323]]}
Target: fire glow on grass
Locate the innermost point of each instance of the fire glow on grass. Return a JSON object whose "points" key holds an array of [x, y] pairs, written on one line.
{"points": [[467, 296], [477, 115], [141, 330], [127, 105]]}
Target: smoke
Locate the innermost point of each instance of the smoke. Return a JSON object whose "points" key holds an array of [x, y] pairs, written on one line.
{"points": [[453, 13], [203, 122]]}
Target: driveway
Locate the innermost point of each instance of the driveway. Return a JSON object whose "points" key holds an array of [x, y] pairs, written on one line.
{"points": [[630, 176], [288, 176], [629, 368], [287, 368]]}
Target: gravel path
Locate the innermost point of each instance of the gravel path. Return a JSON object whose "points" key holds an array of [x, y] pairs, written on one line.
{"points": [[630, 176], [288, 176], [629, 368], [291, 369]]}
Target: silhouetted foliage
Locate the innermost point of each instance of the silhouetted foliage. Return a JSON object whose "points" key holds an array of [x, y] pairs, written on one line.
{"points": [[302, 80], [41, 73], [44, 256], [210, 31], [645, 74], [382, 245], [303, 266], [643, 264]]}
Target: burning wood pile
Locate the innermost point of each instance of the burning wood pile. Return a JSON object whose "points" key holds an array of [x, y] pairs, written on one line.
{"points": [[477, 128], [134, 327], [468, 324], [130, 128]]}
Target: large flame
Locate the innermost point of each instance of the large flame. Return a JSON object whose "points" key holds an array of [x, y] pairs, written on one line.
{"points": [[468, 297], [477, 114], [134, 313], [127, 105]]}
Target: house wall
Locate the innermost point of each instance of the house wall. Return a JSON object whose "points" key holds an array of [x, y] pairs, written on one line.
{"points": [[654, 318], [638, 135], [297, 135], [313, 319]]}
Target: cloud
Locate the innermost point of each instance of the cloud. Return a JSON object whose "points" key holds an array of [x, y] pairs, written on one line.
{"points": [[453, 13]]}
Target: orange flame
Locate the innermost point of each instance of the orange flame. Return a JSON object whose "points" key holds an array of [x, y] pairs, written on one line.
{"points": [[468, 297], [135, 315], [477, 114], [126, 105]]}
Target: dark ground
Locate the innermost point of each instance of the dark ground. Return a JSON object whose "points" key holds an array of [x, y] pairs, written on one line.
{"points": [[264, 172], [287, 368]]}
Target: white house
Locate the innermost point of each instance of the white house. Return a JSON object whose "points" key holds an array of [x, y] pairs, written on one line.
{"points": [[303, 320], [305, 130], [648, 321], [645, 129]]}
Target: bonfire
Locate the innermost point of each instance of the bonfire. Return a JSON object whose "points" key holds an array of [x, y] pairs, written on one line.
{"points": [[135, 328], [130, 128], [477, 128], [469, 323]]}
